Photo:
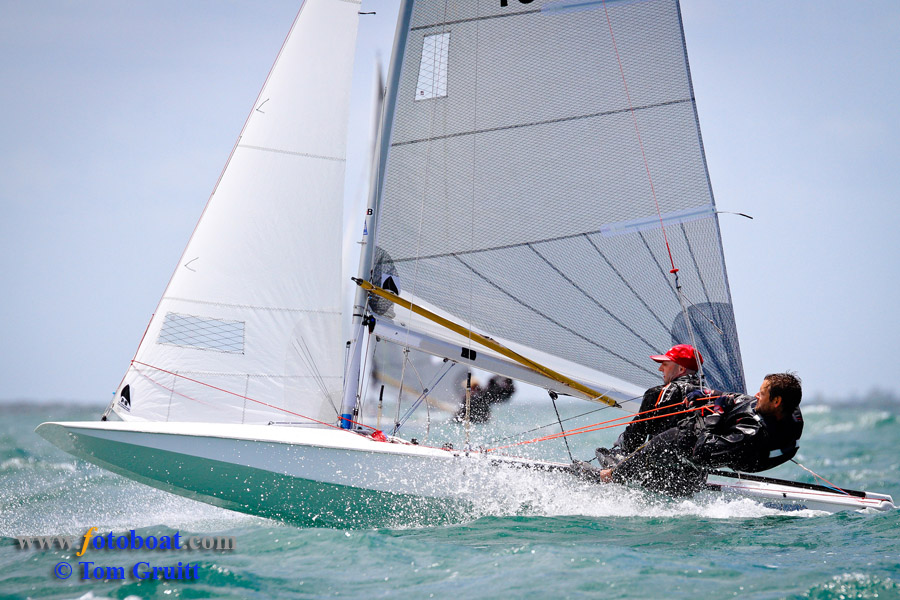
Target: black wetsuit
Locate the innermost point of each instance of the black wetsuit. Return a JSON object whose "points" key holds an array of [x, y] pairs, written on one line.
{"points": [[731, 433], [658, 401]]}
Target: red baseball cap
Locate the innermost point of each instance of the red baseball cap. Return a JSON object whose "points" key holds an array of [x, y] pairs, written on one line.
{"points": [[682, 354]]}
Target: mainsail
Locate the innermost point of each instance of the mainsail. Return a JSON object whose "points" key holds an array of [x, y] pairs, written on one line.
{"points": [[249, 327], [544, 158]]}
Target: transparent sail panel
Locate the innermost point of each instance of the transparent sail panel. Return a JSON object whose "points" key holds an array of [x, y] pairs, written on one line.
{"points": [[524, 202], [432, 81]]}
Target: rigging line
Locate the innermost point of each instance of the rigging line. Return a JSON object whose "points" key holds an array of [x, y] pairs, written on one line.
{"points": [[416, 373], [406, 359], [684, 299], [592, 299], [427, 421], [659, 266], [402, 377], [472, 212], [563, 429], [415, 279], [171, 390], [699, 311], [307, 356], [579, 429], [817, 476], [591, 429], [424, 395], [224, 391], [590, 412], [555, 322], [656, 409], [694, 260], [638, 133], [690, 328], [706, 344], [112, 402]]}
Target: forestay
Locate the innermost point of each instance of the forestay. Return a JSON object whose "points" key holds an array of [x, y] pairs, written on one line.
{"points": [[530, 146], [250, 323]]}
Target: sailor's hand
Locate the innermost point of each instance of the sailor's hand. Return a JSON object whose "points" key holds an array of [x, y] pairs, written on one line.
{"points": [[701, 397], [696, 398], [606, 475], [586, 471]]}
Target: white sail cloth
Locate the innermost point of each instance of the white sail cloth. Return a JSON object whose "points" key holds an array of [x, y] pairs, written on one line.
{"points": [[249, 327]]}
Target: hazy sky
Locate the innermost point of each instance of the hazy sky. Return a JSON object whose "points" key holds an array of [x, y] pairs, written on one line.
{"points": [[117, 118]]}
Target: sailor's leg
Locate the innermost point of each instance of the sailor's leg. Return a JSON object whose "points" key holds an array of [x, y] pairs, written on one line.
{"points": [[659, 465]]}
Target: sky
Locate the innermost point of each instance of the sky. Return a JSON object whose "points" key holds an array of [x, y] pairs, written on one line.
{"points": [[116, 119]]}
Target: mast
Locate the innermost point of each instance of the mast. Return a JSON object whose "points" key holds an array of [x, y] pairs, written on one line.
{"points": [[358, 324]]}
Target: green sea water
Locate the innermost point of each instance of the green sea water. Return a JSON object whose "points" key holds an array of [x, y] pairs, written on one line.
{"points": [[569, 542]]}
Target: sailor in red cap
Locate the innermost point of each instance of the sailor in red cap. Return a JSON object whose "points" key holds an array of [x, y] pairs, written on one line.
{"points": [[680, 360], [679, 371]]}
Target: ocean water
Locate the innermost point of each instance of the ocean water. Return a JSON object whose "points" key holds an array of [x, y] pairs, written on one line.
{"points": [[562, 541]]}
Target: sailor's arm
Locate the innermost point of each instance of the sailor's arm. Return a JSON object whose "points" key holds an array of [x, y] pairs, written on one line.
{"points": [[742, 438], [635, 434]]}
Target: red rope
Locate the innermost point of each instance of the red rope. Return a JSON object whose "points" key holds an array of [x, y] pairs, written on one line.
{"points": [[640, 141], [814, 474], [603, 425], [224, 391]]}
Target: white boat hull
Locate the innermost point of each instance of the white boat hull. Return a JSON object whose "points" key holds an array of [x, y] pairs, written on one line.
{"points": [[324, 477], [790, 496], [332, 477]]}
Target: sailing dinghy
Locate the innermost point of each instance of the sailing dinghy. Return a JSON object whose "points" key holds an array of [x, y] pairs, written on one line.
{"points": [[540, 208]]}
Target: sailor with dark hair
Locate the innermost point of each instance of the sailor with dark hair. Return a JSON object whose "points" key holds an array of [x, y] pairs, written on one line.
{"points": [[745, 433], [679, 370]]}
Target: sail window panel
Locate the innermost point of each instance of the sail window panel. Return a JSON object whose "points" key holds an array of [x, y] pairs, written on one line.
{"points": [[432, 81], [202, 333], [452, 113]]}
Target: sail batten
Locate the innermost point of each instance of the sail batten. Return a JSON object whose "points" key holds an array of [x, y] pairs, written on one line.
{"points": [[627, 110]]}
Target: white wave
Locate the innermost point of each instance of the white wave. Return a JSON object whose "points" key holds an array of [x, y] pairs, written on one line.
{"points": [[518, 492], [121, 507], [19, 463], [865, 420]]}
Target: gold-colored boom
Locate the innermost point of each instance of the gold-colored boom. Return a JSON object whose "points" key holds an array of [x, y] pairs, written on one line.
{"points": [[589, 393]]}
